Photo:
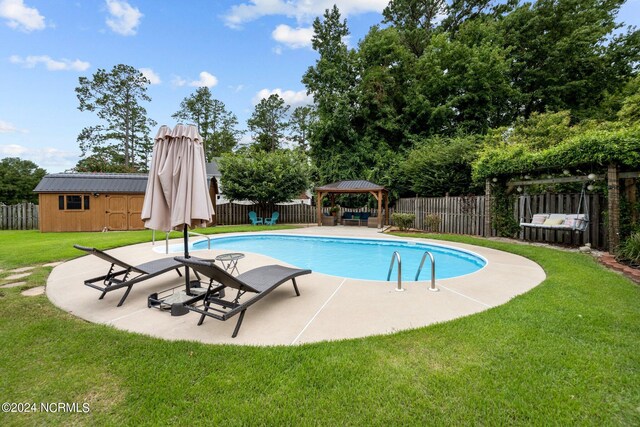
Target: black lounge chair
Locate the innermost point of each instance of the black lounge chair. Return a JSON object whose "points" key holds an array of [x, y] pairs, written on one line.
{"points": [[120, 279], [259, 281]]}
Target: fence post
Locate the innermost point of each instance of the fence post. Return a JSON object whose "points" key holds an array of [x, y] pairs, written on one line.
{"points": [[487, 208], [614, 207]]}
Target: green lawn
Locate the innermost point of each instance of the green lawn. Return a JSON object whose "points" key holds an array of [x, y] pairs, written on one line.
{"points": [[22, 248], [565, 353]]}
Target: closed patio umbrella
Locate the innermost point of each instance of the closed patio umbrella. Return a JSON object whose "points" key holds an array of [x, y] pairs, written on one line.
{"points": [[156, 212], [177, 194]]}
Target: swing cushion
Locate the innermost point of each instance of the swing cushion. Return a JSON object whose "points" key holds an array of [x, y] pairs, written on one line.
{"points": [[539, 218], [574, 221], [555, 220]]}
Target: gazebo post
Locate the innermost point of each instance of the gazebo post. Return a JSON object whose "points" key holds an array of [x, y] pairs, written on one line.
{"points": [[386, 208], [319, 207], [380, 217]]}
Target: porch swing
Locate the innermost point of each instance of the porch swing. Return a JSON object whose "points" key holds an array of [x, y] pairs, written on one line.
{"points": [[556, 221]]}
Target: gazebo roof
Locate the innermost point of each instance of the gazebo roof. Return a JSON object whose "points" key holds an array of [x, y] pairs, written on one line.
{"points": [[355, 186]]}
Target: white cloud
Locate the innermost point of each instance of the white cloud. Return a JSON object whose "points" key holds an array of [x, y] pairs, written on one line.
{"points": [[293, 98], [6, 127], [178, 81], [302, 10], [124, 18], [12, 150], [20, 16], [50, 64], [151, 75], [245, 140], [206, 80], [48, 157], [295, 38]]}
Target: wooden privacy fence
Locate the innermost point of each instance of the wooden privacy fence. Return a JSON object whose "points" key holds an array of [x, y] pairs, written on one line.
{"points": [[23, 216], [236, 213], [455, 215]]}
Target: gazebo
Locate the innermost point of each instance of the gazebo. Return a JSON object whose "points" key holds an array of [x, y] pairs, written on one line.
{"points": [[351, 187]]}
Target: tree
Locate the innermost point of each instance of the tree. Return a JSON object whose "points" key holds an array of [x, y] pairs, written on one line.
{"points": [[18, 178], [415, 19], [538, 132], [460, 11], [215, 123], [268, 123], [264, 178], [565, 55], [332, 81], [103, 162], [462, 84], [441, 165], [630, 109], [115, 97], [301, 123]]}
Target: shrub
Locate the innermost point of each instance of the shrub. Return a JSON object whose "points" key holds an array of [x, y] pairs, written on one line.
{"points": [[630, 249], [432, 223], [402, 220]]}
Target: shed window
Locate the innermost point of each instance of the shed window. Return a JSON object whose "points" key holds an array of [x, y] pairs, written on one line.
{"points": [[73, 202]]}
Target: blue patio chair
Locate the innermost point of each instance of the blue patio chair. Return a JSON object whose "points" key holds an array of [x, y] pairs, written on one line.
{"points": [[273, 219], [255, 219]]}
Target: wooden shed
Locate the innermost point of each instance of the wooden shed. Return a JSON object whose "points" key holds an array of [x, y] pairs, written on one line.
{"points": [[91, 201]]}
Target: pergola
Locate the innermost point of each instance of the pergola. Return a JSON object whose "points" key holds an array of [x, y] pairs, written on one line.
{"points": [[351, 187]]}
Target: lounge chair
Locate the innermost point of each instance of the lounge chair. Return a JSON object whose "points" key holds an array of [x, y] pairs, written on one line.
{"points": [[273, 219], [120, 279], [255, 219], [259, 281]]}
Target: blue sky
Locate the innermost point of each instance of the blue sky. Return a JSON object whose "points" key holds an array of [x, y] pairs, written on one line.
{"points": [[242, 50]]}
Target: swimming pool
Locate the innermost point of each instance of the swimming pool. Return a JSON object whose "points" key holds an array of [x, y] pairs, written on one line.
{"points": [[366, 259]]}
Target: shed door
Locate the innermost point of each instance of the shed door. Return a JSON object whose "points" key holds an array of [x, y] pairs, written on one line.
{"points": [[116, 212], [134, 212]]}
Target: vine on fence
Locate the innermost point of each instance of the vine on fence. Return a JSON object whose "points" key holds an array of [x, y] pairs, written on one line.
{"points": [[502, 219]]}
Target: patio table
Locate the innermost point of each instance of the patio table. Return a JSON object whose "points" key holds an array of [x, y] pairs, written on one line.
{"points": [[230, 261]]}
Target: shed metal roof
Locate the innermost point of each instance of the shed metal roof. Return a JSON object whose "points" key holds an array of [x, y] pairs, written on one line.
{"points": [[92, 183], [350, 186]]}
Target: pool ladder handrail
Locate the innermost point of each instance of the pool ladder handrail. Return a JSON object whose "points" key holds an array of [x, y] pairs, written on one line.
{"points": [[433, 270], [396, 256], [166, 239]]}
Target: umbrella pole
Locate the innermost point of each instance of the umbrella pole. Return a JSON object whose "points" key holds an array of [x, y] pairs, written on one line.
{"points": [[187, 279]]}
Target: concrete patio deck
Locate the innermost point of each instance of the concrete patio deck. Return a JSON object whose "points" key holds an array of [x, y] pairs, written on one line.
{"points": [[329, 308]]}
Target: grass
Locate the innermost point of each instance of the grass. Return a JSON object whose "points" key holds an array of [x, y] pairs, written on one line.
{"points": [[565, 353], [24, 248]]}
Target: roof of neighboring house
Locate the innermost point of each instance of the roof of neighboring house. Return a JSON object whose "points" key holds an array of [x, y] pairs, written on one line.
{"points": [[93, 183], [350, 187], [212, 168]]}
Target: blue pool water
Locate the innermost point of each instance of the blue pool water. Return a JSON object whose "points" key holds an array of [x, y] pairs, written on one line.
{"points": [[353, 258]]}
